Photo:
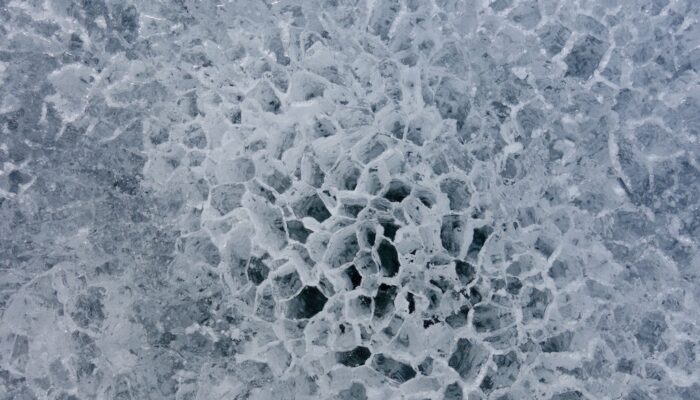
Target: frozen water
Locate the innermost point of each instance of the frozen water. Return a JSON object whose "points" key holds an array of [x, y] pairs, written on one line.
{"points": [[349, 199]]}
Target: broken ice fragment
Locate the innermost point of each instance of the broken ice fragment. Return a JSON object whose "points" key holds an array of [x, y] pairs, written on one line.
{"points": [[323, 127], [226, 198], [388, 258], [553, 37], [489, 318], [465, 272], [545, 246], [526, 14], [397, 191], [426, 366], [354, 357], [452, 99], [382, 17], [201, 247], [257, 270], [457, 192], [452, 233], [500, 5], [266, 97], [568, 395], [468, 359], [309, 302], [195, 137], [355, 392], [650, 332], [342, 248], [297, 231], [312, 206], [384, 300], [478, 240], [584, 57], [360, 306], [353, 276], [287, 284], [508, 367], [459, 318], [89, 309], [390, 228], [453, 392], [393, 369], [265, 308], [411, 302], [278, 181], [557, 343], [537, 304]]}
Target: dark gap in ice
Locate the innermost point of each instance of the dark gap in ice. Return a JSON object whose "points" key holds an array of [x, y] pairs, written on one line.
{"points": [[388, 258], [353, 358]]}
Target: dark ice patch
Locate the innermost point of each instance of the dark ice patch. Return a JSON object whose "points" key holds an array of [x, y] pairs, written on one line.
{"points": [[585, 57], [478, 240], [353, 358], [388, 258], [468, 358], [452, 233], [312, 206], [393, 369], [384, 300], [297, 231], [309, 302], [397, 191]]}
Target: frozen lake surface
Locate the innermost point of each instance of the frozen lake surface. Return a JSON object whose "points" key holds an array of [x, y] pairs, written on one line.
{"points": [[350, 199]]}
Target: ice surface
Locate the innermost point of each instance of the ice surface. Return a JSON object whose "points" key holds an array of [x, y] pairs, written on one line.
{"points": [[349, 199]]}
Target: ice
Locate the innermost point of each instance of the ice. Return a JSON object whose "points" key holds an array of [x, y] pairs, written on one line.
{"points": [[489, 317], [451, 100], [287, 283], [384, 300], [397, 190], [393, 369], [557, 343], [568, 395], [553, 37], [355, 392], [457, 192], [201, 247], [468, 358], [650, 331], [226, 198], [257, 270], [309, 302], [342, 248], [353, 358], [311, 206], [505, 374], [527, 14], [388, 258], [490, 199], [297, 231], [266, 97], [452, 233], [453, 392], [479, 237], [585, 57], [465, 272]]}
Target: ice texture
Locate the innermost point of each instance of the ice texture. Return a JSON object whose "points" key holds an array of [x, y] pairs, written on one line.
{"points": [[349, 199]]}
